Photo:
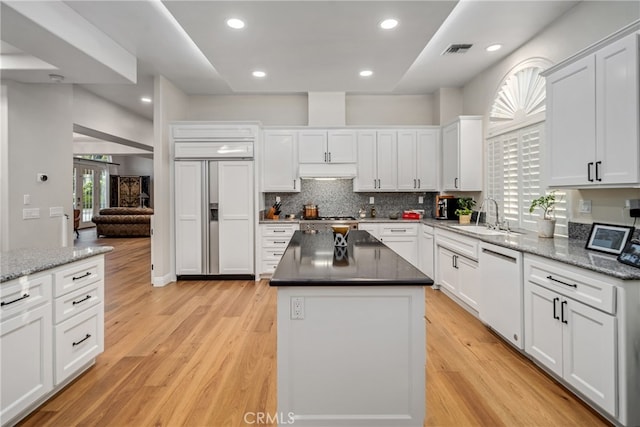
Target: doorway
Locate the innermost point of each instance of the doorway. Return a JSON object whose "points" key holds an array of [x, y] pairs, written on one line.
{"points": [[90, 190]]}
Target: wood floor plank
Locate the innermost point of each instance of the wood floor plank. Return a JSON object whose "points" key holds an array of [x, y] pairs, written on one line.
{"points": [[203, 353]]}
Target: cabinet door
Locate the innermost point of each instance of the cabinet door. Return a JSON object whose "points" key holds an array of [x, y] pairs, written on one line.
{"points": [[407, 176], [373, 229], [366, 179], [589, 350], [617, 97], [426, 254], [427, 159], [386, 161], [236, 217], [447, 273], [571, 124], [450, 164], [470, 154], [188, 208], [543, 329], [279, 168], [26, 359], [406, 247], [312, 146], [469, 283], [341, 146]]}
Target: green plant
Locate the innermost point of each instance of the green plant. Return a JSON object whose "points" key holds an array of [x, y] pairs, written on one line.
{"points": [[546, 203], [465, 206]]}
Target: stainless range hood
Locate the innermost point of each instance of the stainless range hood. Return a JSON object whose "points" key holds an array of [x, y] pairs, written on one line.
{"points": [[327, 170]]}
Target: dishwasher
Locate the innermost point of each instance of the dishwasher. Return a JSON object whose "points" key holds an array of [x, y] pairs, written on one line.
{"points": [[501, 303]]}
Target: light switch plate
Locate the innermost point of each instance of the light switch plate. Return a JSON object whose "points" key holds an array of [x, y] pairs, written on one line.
{"points": [[33, 213], [56, 211], [26, 199]]}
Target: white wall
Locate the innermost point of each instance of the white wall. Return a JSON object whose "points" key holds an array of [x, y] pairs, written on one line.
{"points": [[581, 26], [388, 110], [271, 110], [93, 112], [170, 104], [38, 139], [133, 165]]}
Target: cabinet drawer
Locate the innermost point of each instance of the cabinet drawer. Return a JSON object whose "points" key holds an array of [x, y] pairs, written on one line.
{"points": [[275, 230], [276, 242], [269, 266], [272, 254], [77, 341], [23, 294], [589, 288], [399, 230], [462, 245], [77, 301], [78, 275]]}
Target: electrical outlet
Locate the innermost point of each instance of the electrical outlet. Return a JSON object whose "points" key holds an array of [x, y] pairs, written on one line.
{"points": [[297, 308], [371, 200], [627, 203], [420, 199], [33, 213], [277, 199], [584, 206], [26, 199]]}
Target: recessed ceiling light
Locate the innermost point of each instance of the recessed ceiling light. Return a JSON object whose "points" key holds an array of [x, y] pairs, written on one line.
{"points": [[493, 47], [259, 73], [366, 73], [388, 24], [235, 23], [146, 100]]}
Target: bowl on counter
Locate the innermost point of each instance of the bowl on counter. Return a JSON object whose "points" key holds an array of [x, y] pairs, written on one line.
{"points": [[341, 229]]}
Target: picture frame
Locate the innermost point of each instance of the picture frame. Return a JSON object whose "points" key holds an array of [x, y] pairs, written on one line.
{"points": [[631, 254], [608, 238]]}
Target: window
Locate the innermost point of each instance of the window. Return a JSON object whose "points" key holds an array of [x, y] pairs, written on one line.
{"points": [[514, 151]]}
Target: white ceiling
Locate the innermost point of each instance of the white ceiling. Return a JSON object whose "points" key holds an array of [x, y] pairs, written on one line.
{"points": [[115, 48]]}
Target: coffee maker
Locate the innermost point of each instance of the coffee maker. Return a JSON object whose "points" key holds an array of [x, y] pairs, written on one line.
{"points": [[446, 207]]}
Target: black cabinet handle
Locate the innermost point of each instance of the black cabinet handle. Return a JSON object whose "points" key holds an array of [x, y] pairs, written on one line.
{"points": [[88, 273], [573, 285], [455, 261], [279, 231], [598, 163], [24, 296], [455, 183], [294, 184], [419, 185], [82, 340], [329, 156], [82, 300], [325, 157], [562, 306], [555, 314], [280, 243], [589, 171]]}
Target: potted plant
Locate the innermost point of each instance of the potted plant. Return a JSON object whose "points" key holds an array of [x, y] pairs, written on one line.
{"points": [[465, 209], [546, 224]]}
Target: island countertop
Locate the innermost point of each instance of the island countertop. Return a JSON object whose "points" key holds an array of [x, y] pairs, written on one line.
{"points": [[313, 259]]}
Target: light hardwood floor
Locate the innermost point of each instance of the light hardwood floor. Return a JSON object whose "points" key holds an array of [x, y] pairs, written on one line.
{"points": [[202, 353]]}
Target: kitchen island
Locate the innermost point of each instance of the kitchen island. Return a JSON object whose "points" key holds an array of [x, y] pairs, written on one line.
{"points": [[351, 333]]}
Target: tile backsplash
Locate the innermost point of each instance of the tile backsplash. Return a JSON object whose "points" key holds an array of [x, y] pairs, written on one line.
{"points": [[336, 198]]}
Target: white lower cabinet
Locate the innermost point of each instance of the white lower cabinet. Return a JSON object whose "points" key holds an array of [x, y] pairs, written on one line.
{"points": [[25, 344], [426, 251], [51, 329], [575, 341], [402, 238], [457, 267], [274, 240]]}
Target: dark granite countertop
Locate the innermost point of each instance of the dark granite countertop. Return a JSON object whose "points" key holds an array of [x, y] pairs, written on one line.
{"points": [[313, 260], [568, 251], [22, 262]]}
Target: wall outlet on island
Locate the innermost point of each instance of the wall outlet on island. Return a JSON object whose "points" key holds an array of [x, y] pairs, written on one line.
{"points": [[371, 200], [297, 308]]}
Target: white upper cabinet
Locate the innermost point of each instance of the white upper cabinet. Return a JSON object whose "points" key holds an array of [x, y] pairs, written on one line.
{"points": [[322, 146], [462, 154], [280, 161], [592, 117], [418, 160], [376, 161]]}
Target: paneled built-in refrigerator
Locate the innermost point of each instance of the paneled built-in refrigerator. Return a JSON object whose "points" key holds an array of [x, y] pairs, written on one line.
{"points": [[214, 219]]}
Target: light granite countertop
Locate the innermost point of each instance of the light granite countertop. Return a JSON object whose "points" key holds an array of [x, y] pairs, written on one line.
{"points": [[22, 262], [568, 251]]}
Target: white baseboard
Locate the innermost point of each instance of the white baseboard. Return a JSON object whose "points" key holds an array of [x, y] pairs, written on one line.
{"points": [[161, 281]]}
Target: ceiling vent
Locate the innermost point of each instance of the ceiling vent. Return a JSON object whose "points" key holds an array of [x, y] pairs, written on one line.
{"points": [[457, 48]]}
